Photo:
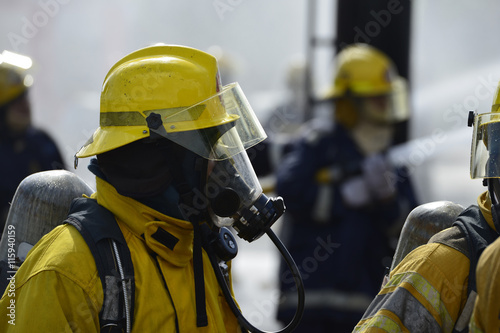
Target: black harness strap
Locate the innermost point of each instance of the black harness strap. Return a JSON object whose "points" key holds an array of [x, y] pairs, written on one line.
{"points": [[478, 234], [187, 206], [99, 229]]}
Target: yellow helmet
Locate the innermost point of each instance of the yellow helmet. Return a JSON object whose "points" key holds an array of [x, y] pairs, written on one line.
{"points": [[485, 152], [364, 71], [11, 84], [173, 91]]}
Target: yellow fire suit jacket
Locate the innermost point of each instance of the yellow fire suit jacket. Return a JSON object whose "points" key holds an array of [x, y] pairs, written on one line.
{"points": [[426, 292], [57, 288], [485, 317]]}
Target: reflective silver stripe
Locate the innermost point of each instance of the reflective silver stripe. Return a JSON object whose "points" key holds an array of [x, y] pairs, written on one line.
{"points": [[403, 304], [473, 328], [381, 322], [433, 296], [413, 315], [329, 298], [466, 314]]}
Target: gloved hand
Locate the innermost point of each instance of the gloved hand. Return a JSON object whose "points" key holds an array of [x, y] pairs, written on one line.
{"points": [[355, 192], [374, 184], [377, 173]]}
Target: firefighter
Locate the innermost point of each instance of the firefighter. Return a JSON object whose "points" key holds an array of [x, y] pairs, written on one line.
{"points": [[24, 149], [487, 307], [339, 189], [434, 288], [170, 169]]}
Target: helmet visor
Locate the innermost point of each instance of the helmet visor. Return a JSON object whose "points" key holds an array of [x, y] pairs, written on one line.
{"points": [[485, 150], [387, 108], [400, 104], [216, 128]]}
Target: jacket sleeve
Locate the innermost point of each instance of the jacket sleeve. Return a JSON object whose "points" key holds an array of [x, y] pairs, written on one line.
{"points": [[56, 289], [425, 293], [295, 177], [485, 317], [47, 302]]}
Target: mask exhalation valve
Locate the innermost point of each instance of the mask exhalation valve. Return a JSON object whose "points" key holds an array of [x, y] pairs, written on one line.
{"points": [[260, 217]]}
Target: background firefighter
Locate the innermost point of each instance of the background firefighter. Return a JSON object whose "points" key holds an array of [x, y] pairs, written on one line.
{"points": [[340, 188], [24, 149]]}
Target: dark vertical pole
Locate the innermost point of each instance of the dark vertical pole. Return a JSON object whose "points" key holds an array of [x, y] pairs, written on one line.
{"points": [[384, 24], [311, 42]]}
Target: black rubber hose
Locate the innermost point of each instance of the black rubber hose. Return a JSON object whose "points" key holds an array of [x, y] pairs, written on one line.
{"points": [[296, 276]]}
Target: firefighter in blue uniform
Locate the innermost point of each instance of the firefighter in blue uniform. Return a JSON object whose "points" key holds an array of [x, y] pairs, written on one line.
{"points": [[24, 149], [343, 195]]}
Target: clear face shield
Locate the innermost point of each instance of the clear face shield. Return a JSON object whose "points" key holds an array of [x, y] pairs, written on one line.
{"points": [[485, 150], [220, 129], [216, 128], [386, 109]]}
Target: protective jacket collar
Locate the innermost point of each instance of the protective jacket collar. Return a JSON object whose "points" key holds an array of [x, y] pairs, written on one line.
{"points": [[168, 237], [484, 203]]}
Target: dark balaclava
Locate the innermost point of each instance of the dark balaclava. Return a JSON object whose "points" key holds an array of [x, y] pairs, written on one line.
{"points": [[145, 169]]}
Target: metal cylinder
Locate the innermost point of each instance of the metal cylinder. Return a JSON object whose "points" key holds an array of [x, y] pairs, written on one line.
{"points": [[422, 223], [41, 202]]}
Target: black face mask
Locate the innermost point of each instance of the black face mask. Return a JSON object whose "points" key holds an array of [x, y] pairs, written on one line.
{"points": [[136, 170]]}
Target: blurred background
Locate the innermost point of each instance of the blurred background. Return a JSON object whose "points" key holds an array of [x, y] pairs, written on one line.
{"points": [[446, 49]]}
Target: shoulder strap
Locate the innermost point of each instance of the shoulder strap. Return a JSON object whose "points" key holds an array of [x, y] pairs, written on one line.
{"points": [[452, 237], [105, 240], [470, 234], [478, 234]]}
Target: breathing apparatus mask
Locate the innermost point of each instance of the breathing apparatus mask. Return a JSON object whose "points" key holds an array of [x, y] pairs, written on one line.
{"points": [[230, 194], [236, 198]]}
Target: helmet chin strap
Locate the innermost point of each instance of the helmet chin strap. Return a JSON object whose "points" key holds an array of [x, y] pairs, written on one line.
{"points": [[494, 192]]}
